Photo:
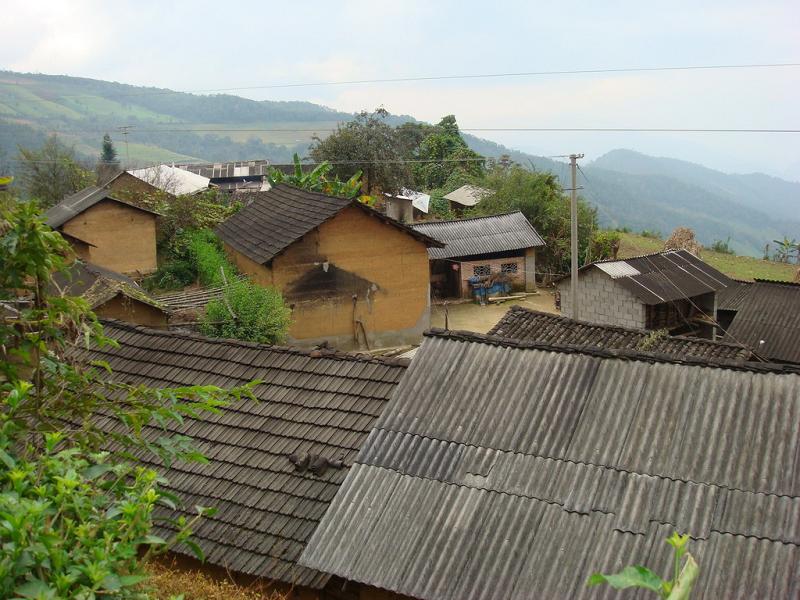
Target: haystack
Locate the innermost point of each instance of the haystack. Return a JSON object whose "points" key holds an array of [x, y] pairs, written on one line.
{"points": [[683, 239]]}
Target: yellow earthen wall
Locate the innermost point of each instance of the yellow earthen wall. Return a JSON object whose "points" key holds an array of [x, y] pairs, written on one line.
{"points": [[363, 245], [124, 238], [131, 311]]}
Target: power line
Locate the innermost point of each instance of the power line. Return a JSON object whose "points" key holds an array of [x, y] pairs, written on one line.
{"points": [[273, 86], [478, 129]]}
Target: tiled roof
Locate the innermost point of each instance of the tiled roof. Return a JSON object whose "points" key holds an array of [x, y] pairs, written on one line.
{"points": [[533, 326], [311, 402], [663, 276], [272, 221], [481, 235], [73, 205], [97, 285], [505, 471], [768, 320]]}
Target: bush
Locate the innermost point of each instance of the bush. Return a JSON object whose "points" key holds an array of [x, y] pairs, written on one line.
{"points": [[259, 314], [604, 244], [722, 247], [209, 258], [652, 234], [192, 255]]}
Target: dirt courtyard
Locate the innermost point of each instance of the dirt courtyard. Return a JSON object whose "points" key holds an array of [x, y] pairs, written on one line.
{"points": [[480, 319]]}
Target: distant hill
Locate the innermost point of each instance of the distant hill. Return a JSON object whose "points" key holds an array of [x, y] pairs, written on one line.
{"points": [[630, 189]]}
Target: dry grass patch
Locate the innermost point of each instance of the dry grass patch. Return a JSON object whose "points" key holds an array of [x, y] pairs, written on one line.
{"points": [[168, 582]]}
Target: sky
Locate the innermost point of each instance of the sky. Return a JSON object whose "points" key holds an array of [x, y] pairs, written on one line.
{"points": [[203, 45]]}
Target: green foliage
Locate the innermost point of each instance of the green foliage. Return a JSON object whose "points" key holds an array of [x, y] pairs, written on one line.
{"points": [[366, 144], [248, 312], [319, 179], [604, 244], [72, 516], [652, 234], [52, 172], [542, 201], [445, 158], [679, 587], [213, 268], [439, 208], [723, 247]]}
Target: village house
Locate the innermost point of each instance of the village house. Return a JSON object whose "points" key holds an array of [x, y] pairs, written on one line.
{"points": [[107, 231], [765, 316], [671, 290], [172, 180], [274, 462], [564, 461], [110, 295], [525, 325], [128, 187], [236, 176], [465, 197], [352, 276], [479, 247]]}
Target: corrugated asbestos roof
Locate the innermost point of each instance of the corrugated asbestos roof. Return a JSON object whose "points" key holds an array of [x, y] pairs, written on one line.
{"points": [[73, 205], [311, 402], [273, 220], [468, 195], [730, 298], [172, 180], [481, 235], [523, 324], [769, 312], [663, 276], [510, 471], [229, 170]]}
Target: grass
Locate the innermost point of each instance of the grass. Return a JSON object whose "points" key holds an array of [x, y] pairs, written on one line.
{"points": [[169, 581], [738, 267]]}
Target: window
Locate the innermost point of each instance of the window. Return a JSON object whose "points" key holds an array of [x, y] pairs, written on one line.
{"points": [[482, 270], [509, 268]]}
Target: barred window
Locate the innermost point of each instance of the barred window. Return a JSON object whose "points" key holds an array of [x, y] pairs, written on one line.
{"points": [[510, 268], [482, 270]]}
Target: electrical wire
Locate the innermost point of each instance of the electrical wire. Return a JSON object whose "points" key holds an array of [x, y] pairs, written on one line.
{"points": [[473, 129]]}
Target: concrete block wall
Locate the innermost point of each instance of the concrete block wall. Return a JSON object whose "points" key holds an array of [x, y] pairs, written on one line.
{"points": [[602, 300]]}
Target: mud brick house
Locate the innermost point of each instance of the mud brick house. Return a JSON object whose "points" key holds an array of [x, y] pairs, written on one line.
{"points": [[274, 463], [110, 295], [524, 325], [765, 316], [573, 460], [671, 290], [107, 231], [481, 246], [352, 276]]}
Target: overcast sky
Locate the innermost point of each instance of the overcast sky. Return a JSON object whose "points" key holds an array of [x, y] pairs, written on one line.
{"points": [[201, 45]]}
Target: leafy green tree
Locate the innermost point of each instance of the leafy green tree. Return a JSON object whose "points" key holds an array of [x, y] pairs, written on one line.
{"points": [[108, 165], [367, 143], [74, 516], [52, 172], [444, 157], [320, 179], [543, 202]]}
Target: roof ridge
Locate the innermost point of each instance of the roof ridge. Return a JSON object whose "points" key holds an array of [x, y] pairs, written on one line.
{"points": [[620, 328], [616, 353], [776, 282], [435, 222], [311, 353]]}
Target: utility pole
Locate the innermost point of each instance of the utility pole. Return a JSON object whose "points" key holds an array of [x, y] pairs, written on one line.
{"points": [[573, 235], [125, 129]]}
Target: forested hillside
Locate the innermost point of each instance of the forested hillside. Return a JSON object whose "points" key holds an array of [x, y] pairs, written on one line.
{"points": [[630, 189]]}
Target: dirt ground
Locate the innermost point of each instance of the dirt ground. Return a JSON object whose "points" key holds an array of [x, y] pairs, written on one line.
{"points": [[474, 317]]}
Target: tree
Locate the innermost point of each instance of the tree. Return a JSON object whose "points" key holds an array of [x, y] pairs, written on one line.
{"points": [[368, 144], [76, 507], [444, 155], [541, 199], [319, 179], [108, 165], [52, 172]]}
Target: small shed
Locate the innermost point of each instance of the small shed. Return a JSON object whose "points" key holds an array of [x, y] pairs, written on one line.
{"points": [[481, 247], [107, 230], [352, 276], [671, 290]]}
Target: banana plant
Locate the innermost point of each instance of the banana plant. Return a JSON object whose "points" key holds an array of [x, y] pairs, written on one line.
{"points": [[317, 180], [679, 587]]}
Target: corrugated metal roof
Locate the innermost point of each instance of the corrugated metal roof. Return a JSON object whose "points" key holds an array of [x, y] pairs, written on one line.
{"points": [[311, 402], [272, 221], [172, 180], [229, 170], [468, 195], [533, 326], [71, 206], [504, 471], [768, 319], [730, 298], [481, 235], [663, 276]]}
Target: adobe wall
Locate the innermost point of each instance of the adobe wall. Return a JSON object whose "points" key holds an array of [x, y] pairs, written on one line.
{"points": [[395, 313], [602, 300], [129, 310], [124, 237]]}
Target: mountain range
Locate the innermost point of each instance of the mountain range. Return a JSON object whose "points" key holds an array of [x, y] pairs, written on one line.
{"points": [[630, 189]]}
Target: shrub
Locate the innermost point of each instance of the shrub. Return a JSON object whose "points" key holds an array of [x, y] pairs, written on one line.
{"points": [[722, 247], [652, 234], [259, 314], [604, 244], [209, 258]]}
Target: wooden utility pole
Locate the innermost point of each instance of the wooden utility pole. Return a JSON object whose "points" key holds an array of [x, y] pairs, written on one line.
{"points": [[573, 235], [125, 129]]}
